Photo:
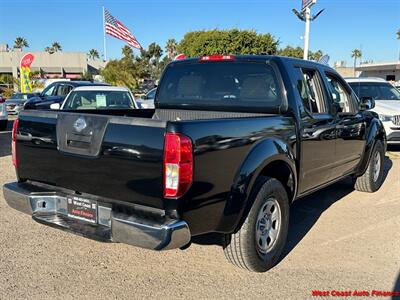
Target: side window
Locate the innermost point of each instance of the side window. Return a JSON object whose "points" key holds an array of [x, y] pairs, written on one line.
{"points": [[309, 90], [63, 89], [49, 90], [339, 94]]}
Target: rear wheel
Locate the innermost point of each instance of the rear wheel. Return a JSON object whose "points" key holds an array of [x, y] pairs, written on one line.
{"points": [[3, 125], [372, 179], [259, 243]]}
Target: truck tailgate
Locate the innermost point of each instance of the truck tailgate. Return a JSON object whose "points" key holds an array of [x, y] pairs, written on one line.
{"points": [[108, 156]]}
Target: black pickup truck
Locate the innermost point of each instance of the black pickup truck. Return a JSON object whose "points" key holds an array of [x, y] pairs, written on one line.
{"points": [[233, 141]]}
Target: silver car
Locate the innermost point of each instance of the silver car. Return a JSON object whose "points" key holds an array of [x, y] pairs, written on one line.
{"points": [[3, 115], [16, 102]]}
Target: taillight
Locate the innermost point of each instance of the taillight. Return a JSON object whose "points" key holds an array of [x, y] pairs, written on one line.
{"points": [[178, 165], [14, 143], [217, 58], [2, 100]]}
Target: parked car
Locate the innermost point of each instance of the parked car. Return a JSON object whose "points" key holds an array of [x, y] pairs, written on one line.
{"points": [[97, 97], [17, 101], [3, 114], [387, 99], [148, 99], [233, 142], [56, 93]]}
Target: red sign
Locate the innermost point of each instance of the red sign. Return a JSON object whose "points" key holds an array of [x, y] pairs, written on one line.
{"points": [[27, 60]]}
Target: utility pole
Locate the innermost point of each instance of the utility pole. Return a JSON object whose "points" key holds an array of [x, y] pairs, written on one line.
{"points": [[305, 16], [306, 13]]}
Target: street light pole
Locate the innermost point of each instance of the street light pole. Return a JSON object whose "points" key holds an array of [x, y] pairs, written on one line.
{"points": [[306, 32], [305, 16]]}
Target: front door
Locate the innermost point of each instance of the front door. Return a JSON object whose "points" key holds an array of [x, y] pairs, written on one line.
{"points": [[317, 131], [350, 126]]}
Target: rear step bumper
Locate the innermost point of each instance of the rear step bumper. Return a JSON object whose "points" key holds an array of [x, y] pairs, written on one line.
{"points": [[50, 208]]}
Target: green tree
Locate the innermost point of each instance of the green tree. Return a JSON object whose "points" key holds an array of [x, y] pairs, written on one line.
{"points": [[298, 53], [356, 53], [20, 43], [171, 48], [150, 63], [315, 55], [93, 54], [291, 52], [56, 46], [122, 72], [233, 41]]}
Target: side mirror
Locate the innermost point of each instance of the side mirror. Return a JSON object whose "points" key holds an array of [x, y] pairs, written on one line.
{"points": [[55, 106], [366, 103]]}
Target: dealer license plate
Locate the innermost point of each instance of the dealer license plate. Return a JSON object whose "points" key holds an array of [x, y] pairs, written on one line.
{"points": [[82, 209]]}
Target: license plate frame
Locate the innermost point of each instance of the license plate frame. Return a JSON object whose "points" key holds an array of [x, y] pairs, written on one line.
{"points": [[82, 209]]}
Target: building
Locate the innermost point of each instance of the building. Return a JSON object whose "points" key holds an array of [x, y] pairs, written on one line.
{"points": [[342, 69], [389, 71], [55, 65]]}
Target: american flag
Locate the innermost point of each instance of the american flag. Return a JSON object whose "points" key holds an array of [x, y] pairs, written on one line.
{"points": [[118, 30]]}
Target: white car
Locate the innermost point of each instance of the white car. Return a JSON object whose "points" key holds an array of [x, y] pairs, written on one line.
{"points": [[98, 97], [148, 100], [387, 103], [3, 115]]}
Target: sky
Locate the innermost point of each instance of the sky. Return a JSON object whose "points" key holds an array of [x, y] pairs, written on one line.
{"points": [[77, 25]]}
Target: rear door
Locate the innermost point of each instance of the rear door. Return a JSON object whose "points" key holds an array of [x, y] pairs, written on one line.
{"points": [[350, 125], [317, 132]]}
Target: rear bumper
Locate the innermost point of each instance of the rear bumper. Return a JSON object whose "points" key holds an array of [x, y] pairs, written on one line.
{"points": [[50, 208]]}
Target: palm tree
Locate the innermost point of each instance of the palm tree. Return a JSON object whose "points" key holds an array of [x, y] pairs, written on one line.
{"points": [[356, 53], [49, 50], [56, 46], [20, 43], [171, 48], [93, 54]]}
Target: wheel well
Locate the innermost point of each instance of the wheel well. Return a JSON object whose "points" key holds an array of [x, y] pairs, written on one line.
{"points": [[281, 171]]}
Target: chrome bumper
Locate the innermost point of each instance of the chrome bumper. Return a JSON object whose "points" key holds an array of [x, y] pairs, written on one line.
{"points": [[50, 208]]}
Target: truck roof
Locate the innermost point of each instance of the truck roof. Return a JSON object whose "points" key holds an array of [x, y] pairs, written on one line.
{"points": [[256, 58]]}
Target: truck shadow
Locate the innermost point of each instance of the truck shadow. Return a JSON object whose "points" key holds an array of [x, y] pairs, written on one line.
{"points": [[304, 213], [5, 140]]}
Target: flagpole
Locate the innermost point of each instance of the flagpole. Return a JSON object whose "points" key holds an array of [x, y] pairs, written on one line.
{"points": [[104, 35]]}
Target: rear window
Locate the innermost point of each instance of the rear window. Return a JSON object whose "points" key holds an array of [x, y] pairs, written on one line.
{"points": [[98, 100], [229, 85]]}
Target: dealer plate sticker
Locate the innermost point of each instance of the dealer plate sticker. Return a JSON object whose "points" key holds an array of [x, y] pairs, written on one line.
{"points": [[82, 209]]}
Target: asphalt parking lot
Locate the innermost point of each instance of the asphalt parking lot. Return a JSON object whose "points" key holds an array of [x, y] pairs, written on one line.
{"points": [[339, 239]]}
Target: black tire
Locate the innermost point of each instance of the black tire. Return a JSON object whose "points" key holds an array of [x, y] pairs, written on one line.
{"points": [[242, 248], [368, 182], [3, 125]]}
